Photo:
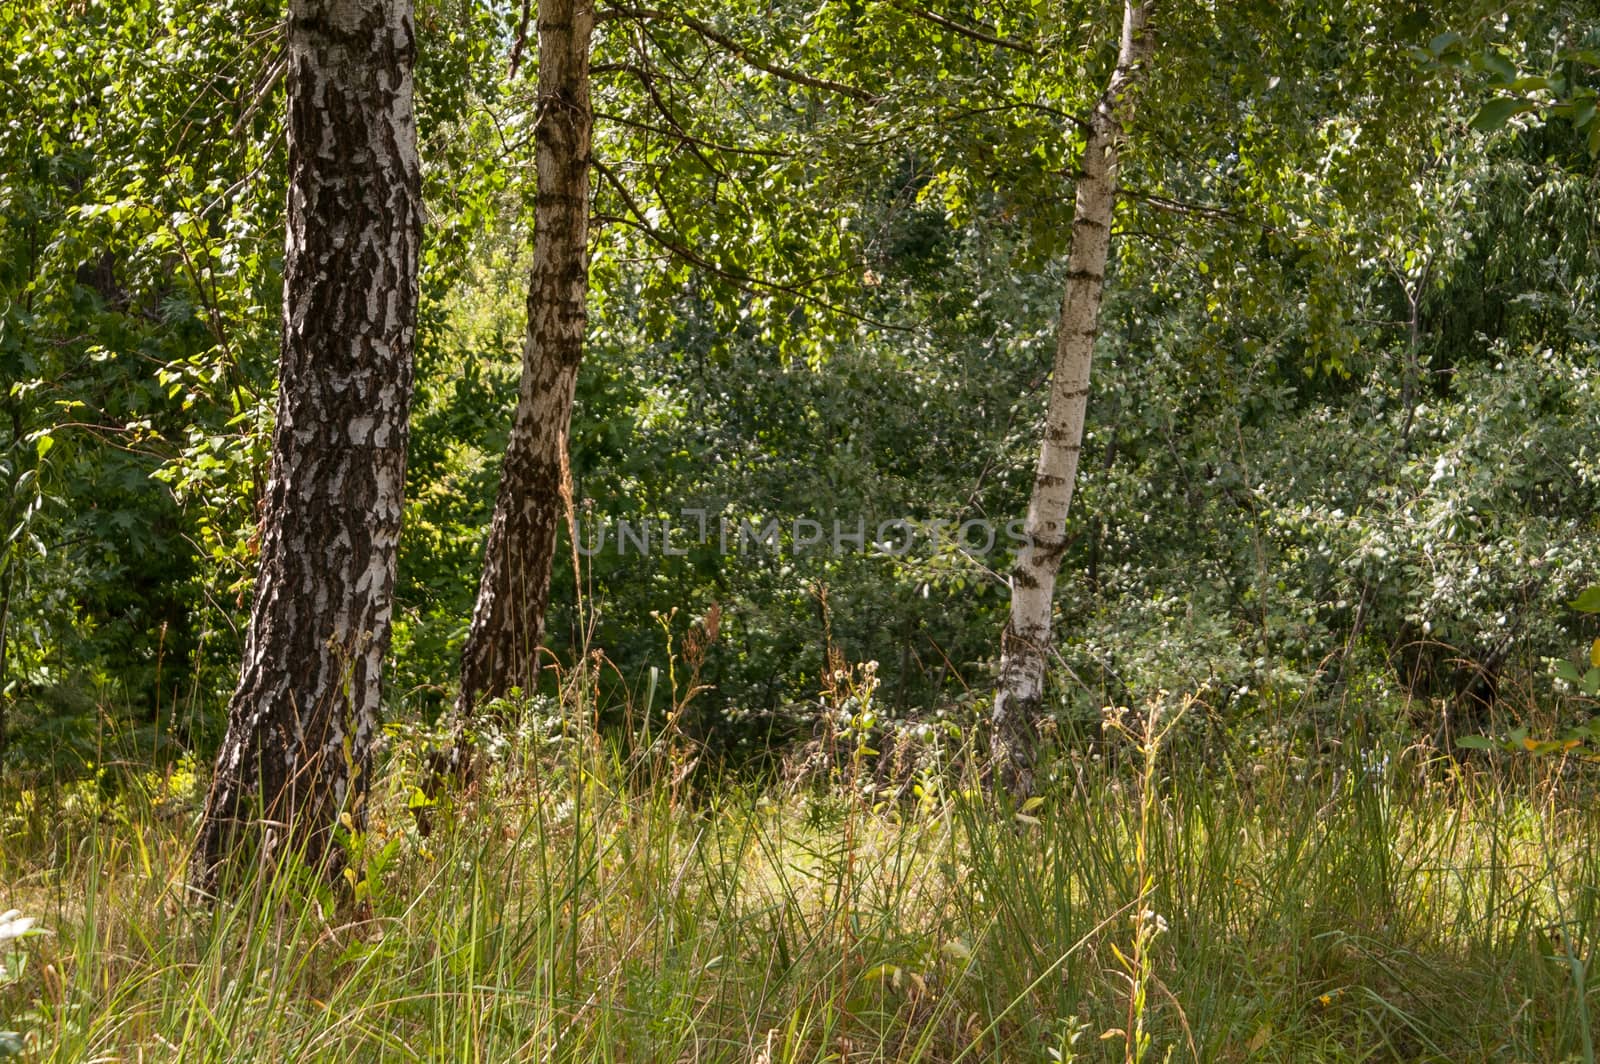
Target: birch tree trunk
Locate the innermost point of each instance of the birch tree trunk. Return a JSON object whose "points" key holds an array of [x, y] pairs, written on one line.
{"points": [[502, 649], [301, 723], [1026, 638]]}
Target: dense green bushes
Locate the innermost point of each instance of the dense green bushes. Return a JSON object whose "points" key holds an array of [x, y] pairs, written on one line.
{"points": [[1342, 436]]}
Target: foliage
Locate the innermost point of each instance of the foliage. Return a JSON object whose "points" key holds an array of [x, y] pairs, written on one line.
{"points": [[1338, 493], [137, 265], [833, 298], [1583, 739]]}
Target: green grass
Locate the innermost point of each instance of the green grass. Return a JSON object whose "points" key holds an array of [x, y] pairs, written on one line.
{"points": [[567, 910]]}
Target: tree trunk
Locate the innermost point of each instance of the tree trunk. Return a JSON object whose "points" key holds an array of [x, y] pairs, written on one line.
{"points": [[502, 649], [1026, 638], [301, 724]]}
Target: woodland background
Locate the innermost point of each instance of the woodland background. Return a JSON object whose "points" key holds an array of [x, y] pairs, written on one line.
{"points": [[1342, 436], [1340, 486]]}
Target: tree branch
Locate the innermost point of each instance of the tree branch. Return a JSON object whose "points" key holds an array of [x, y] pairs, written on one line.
{"points": [[520, 43], [1175, 206], [734, 48], [1023, 105], [740, 278], [986, 34], [679, 134], [647, 78]]}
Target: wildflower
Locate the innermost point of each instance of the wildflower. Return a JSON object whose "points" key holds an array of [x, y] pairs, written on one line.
{"points": [[1150, 916], [14, 925]]}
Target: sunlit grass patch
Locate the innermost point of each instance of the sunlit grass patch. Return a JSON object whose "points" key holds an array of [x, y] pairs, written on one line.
{"points": [[568, 910]]}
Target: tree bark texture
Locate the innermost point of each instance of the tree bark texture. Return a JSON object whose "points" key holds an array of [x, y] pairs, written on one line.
{"points": [[502, 649], [302, 721], [1026, 638]]}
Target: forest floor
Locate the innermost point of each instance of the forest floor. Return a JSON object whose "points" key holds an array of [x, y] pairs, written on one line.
{"points": [[585, 904]]}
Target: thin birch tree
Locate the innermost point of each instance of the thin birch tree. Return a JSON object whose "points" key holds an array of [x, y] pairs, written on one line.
{"points": [[1025, 641]]}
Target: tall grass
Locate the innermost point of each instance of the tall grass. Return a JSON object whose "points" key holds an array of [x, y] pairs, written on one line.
{"points": [[582, 905]]}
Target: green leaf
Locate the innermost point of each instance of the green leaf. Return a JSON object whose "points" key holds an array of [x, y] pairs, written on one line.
{"points": [[1444, 42], [43, 445], [1569, 672], [1477, 742], [1494, 114], [1588, 601], [1498, 65]]}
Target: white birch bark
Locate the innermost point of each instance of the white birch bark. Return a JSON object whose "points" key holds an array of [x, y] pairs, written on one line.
{"points": [[1026, 640], [302, 721], [502, 649]]}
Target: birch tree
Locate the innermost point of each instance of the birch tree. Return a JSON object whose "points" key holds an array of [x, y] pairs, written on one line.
{"points": [[1026, 638], [297, 756], [514, 591], [502, 650]]}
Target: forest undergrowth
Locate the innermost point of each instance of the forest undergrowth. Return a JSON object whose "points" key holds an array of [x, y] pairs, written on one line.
{"points": [[592, 898]]}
